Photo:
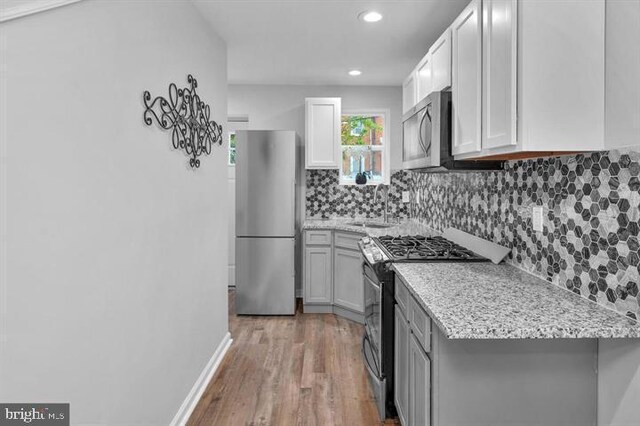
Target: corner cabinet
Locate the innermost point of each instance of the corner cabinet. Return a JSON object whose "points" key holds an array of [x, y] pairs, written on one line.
{"points": [[333, 274], [322, 133]]}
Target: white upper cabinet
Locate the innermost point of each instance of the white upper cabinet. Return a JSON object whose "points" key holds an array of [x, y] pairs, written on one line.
{"points": [[433, 73], [527, 78], [622, 120], [499, 71], [466, 74], [409, 92], [440, 54], [424, 78], [543, 79], [322, 133]]}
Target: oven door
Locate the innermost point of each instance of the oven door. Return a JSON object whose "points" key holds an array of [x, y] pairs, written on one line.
{"points": [[373, 312]]}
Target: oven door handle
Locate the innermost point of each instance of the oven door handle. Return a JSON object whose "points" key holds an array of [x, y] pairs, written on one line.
{"points": [[365, 339], [371, 283]]}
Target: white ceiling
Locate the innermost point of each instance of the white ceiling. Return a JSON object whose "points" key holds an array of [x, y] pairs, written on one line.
{"points": [[318, 41], [314, 41]]}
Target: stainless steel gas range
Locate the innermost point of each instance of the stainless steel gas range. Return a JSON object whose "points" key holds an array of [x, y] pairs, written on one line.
{"points": [[378, 340]]}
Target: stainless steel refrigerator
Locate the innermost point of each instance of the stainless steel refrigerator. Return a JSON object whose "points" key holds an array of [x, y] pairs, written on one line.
{"points": [[266, 222]]}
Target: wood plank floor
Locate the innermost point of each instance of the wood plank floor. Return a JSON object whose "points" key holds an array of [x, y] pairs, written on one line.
{"points": [[290, 370]]}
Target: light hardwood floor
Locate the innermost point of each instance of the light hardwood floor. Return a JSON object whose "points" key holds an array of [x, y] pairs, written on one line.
{"points": [[289, 370]]}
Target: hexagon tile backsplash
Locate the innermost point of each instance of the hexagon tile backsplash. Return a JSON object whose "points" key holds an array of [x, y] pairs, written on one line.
{"points": [[325, 197], [590, 239]]}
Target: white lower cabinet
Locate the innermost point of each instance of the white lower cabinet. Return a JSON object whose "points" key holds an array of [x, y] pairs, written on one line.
{"points": [[419, 385], [348, 289], [401, 366], [333, 274], [488, 381], [317, 274]]}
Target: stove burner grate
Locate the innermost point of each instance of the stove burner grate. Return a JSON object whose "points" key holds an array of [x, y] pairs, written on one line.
{"points": [[418, 248]]}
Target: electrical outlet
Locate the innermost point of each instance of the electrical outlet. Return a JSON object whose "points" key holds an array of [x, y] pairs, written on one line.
{"points": [[536, 218], [405, 196]]}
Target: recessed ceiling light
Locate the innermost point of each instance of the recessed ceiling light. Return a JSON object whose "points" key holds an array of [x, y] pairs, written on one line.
{"points": [[369, 16], [355, 73]]}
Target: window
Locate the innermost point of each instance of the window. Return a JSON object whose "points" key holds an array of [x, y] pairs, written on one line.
{"points": [[232, 148], [365, 147]]}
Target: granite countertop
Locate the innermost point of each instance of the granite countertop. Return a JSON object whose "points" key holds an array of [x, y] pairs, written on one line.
{"points": [[407, 227], [488, 301]]}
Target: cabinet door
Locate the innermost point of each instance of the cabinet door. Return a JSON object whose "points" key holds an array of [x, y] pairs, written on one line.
{"points": [[441, 62], [317, 275], [401, 366], [499, 71], [348, 288], [419, 385], [322, 133], [466, 84], [423, 78], [409, 93]]}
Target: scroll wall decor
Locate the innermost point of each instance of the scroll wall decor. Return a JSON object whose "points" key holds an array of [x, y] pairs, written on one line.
{"points": [[188, 118]]}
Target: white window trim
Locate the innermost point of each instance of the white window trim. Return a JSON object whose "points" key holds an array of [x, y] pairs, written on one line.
{"points": [[386, 148]]}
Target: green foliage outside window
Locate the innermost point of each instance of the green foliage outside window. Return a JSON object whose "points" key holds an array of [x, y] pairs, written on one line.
{"points": [[356, 128], [232, 148]]}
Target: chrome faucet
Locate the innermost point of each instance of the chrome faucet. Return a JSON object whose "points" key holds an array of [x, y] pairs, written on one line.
{"points": [[385, 193]]}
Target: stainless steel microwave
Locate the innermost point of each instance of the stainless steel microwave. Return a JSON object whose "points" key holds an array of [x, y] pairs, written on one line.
{"points": [[426, 138]]}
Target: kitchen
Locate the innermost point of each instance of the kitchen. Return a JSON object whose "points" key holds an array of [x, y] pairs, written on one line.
{"points": [[498, 137]]}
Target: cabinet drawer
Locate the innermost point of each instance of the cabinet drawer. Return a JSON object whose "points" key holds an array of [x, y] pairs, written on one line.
{"points": [[402, 296], [420, 324], [347, 240], [320, 237]]}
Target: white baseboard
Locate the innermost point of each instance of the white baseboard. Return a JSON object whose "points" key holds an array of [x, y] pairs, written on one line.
{"points": [[232, 275], [190, 402]]}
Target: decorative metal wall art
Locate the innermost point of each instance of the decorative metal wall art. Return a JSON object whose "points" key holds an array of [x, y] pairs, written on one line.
{"points": [[188, 118]]}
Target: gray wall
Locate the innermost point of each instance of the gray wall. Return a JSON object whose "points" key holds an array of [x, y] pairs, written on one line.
{"points": [[277, 107], [114, 293]]}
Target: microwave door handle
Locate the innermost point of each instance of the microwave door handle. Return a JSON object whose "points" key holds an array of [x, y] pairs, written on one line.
{"points": [[426, 114]]}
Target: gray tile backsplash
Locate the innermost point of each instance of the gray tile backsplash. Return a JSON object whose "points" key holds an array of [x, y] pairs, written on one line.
{"points": [[325, 197], [591, 233], [590, 239]]}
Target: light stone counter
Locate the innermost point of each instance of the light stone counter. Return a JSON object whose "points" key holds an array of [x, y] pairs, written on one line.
{"points": [[488, 301]]}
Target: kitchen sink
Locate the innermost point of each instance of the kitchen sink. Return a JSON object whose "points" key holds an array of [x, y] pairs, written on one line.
{"points": [[371, 224]]}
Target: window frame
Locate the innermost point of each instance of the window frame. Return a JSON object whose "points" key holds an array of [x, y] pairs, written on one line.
{"points": [[229, 134], [386, 146]]}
